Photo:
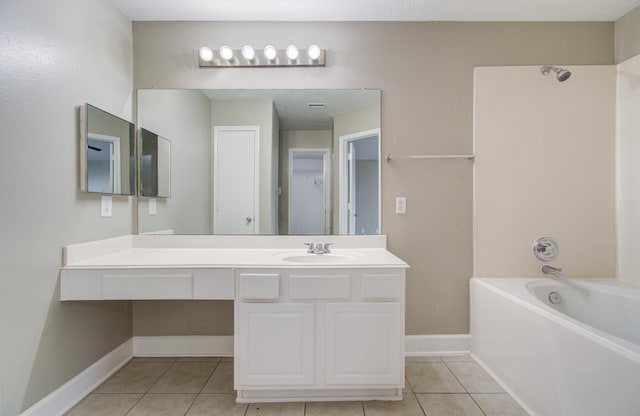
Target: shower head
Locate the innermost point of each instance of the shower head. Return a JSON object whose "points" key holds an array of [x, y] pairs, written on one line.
{"points": [[561, 73]]}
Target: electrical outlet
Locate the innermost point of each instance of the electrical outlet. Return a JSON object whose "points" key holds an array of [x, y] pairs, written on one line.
{"points": [[401, 205], [152, 206], [106, 206]]}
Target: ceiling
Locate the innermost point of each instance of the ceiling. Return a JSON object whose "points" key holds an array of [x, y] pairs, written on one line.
{"points": [[377, 10], [292, 105]]}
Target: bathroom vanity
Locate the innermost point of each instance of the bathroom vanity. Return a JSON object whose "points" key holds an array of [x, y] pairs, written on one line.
{"points": [[307, 326]]}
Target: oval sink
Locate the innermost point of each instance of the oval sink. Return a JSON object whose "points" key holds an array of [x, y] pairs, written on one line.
{"points": [[316, 258]]}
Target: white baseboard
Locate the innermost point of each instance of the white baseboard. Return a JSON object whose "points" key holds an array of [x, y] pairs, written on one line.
{"points": [[183, 346], [74, 390], [424, 345]]}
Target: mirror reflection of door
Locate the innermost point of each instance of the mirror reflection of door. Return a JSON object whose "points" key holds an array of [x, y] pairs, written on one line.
{"points": [[308, 191], [235, 180], [103, 164], [360, 183]]}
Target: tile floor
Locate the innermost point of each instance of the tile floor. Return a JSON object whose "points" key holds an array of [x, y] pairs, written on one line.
{"points": [[203, 386]]}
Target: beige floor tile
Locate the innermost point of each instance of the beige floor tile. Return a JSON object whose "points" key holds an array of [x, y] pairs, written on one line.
{"points": [[134, 378], [199, 359], [105, 405], [407, 386], [221, 381], [432, 377], [217, 405], [409, 406], [163, 405], [334, 409], [474, 378], [422, 359], [184, 377], [275, 409], [449, 405], [501, 404], [153, 359]]}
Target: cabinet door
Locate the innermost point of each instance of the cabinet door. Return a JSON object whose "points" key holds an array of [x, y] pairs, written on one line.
{"points": [[275, 343], [364, 343]]}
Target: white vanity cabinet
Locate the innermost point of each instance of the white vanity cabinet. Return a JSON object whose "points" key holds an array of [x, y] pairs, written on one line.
{"points": [[319, 334]]}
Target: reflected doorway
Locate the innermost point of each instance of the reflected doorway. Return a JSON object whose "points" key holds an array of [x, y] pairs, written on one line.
{"points": [[103, 164], [309, 191], [360, 183]]}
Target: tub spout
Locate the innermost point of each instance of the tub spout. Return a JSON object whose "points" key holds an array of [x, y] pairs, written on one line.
{"points": [[554, 271]]}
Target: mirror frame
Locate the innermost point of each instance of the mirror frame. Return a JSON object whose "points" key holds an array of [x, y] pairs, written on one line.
{"points": [[84, 140]]}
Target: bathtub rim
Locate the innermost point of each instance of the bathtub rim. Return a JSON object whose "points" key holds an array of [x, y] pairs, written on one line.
{"points": [[515, 289]]}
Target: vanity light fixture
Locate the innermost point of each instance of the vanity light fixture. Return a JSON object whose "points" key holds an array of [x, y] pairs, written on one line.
{"points": [[292, 52], [205, 54], [314, 52], [270, 53], [248, 52], [246, 57], [226, 53]]}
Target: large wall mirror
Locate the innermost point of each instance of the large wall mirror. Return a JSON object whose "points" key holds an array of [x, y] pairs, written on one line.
{"points": [[107, 156], [266, 161]]}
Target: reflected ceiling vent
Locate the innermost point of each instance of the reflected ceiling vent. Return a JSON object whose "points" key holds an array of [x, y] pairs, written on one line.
{"points": [[317, 106]]}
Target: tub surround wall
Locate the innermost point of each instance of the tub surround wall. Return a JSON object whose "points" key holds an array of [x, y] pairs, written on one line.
{"points": [[55, 56], [426, 109], [628, 169], [544, 166]]}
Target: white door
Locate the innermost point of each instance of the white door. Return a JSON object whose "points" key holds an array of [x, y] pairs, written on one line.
{"points": [[364, 343], [275, 342], [235, 179]]}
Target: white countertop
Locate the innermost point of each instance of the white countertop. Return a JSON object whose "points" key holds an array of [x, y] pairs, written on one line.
{"points": [[127, 253]]}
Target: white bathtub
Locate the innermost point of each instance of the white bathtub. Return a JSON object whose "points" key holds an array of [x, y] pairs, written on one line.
{"points": [[580, 357]]}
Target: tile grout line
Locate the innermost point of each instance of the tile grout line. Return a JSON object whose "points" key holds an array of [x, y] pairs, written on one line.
{"points": [[465, 388]]}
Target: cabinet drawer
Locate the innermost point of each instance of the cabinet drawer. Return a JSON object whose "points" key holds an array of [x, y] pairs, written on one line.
{"points": [[147, 286], [381, 286], [259, 286], [213, 284], [319, 287]]}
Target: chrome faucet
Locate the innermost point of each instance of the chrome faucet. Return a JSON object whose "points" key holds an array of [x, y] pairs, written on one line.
{"points": [[554, 271], [318, 248]]}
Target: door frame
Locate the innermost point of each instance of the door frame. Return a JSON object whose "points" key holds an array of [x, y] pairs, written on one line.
{"points": [[326, 174], [343, 150], [216, 173], [115, 169]]}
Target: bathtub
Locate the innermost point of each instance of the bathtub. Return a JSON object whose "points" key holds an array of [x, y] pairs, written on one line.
{"points": [[578, 357]]}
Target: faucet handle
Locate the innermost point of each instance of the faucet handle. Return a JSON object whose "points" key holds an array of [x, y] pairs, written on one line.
{"points": [[309, 247], [326, 247]]}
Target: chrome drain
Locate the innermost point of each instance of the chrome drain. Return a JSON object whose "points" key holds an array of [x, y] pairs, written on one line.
{"points": [[555, 298]]}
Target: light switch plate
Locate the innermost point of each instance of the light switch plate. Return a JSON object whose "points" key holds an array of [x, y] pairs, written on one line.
{"points": [[106, 206], [152, 206], [401, 205]]}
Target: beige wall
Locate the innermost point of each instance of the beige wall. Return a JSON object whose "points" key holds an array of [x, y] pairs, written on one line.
{"points": [[183, 117], [627, 36], [628, 169], [425, 72], [55, 56], [544, 167]]}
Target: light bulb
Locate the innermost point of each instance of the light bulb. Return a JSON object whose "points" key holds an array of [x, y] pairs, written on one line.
{"points": [[292, 52], [270, 52], [248, 52], [314, 52], [206, 54], [226, 52]]}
